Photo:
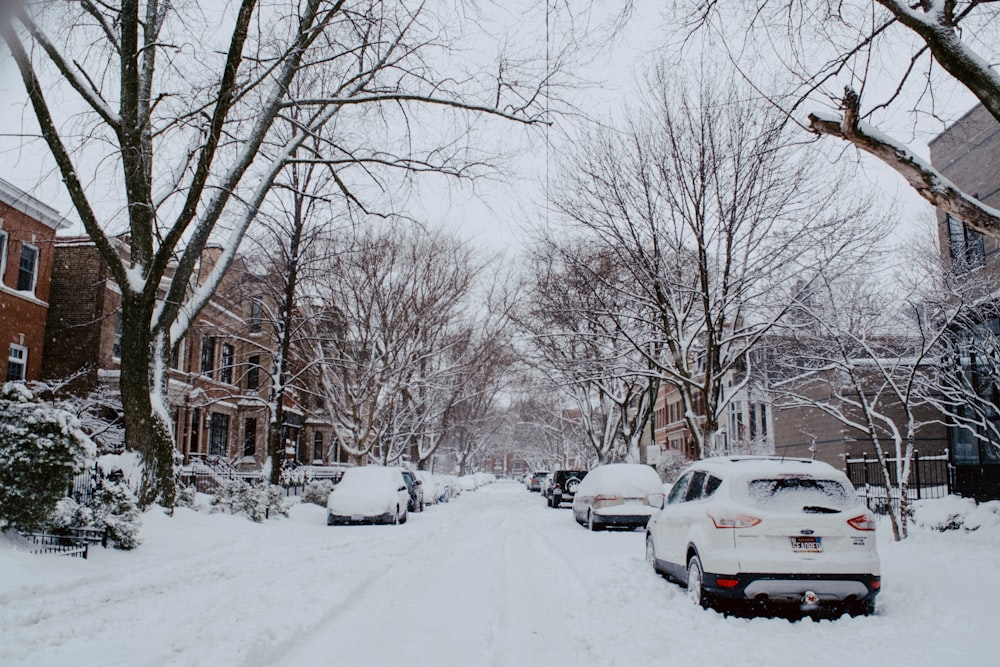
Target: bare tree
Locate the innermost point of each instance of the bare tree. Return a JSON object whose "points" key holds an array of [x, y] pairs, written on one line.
{"points": [[166, 128], [287, 252], [393, 298], [891, 52], [577, 344], [964, 383], [866, 349], [715, 223]]}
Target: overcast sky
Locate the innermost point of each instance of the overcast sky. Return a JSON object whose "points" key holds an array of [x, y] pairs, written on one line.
{"points": [[495, 212]]}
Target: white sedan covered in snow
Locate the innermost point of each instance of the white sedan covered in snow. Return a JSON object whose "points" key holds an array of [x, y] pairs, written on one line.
{"points": [[619, 495], [769, 534], [369, 494]]}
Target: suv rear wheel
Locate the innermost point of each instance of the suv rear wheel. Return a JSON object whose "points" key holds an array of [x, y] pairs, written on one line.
{"points": [[696, 591]]}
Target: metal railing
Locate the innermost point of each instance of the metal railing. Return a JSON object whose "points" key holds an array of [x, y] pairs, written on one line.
{"points": [[929, 478]]}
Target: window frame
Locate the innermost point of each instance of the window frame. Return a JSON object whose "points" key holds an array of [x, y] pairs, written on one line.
{"points": [[218, 434], [253, 372], [22, 362], [317, 447], [966, 246], [34, 268], [208, 344], [4, 240], [256, 321], [227, 355], [250, 436]]}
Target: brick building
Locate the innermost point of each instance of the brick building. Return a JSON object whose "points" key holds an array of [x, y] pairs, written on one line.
{"points": [[218, 387], [27, 231]]}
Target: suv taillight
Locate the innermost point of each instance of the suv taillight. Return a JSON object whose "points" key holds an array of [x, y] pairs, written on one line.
{"points": [[596, 498], [862, 522], [734, 521]]}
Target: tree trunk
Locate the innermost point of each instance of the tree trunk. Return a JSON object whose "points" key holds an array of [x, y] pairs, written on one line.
{"points": [[146, 429]]}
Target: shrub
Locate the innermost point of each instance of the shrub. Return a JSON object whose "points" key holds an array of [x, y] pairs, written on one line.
{"points": [[187, 496], [670, 465], [41, 448], [116, 508], [317, 492], [254, 501], [71, 514]]}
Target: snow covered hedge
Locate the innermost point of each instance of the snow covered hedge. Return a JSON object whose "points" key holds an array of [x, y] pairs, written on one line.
{"points": [[41, 448], [956, 513], [255, 501], [318, 492]]}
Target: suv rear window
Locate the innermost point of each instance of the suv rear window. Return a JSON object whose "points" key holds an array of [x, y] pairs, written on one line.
{"points": [[803, 494]]}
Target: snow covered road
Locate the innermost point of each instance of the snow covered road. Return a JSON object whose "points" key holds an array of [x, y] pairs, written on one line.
{"points": [[493, 578]]}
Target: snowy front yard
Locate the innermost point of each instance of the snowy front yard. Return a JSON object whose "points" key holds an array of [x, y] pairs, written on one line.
{"points": [[493, 578]]}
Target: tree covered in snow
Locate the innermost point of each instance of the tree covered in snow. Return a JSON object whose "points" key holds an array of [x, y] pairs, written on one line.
{"points": [[162, 120], [864, 348], [396, 307], [900, 56], [42, 448], [574, 310], [715, 221]]}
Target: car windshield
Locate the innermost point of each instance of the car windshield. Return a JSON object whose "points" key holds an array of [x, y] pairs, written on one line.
{"points": [[800, 494]]}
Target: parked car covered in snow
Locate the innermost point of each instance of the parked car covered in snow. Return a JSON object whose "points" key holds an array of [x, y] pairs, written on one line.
{"points": [[414, 487], [618, 495], [767, 533], [434, 490], [368, 494]]}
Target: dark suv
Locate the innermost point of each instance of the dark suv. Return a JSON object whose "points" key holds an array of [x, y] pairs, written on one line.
{"points": [[562, 486]]}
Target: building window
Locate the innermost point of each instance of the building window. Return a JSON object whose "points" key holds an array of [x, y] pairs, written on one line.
{"points": [[318, 447], [966, 244], [226, 371], [207, 355], [17, 363], [195, 430], [253, 372], [178, 353], [27, 271], [3, 254], [250, 436], [256, 315], [116, 347], [218, 436]]}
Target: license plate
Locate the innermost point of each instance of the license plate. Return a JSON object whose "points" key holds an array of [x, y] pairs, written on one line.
{"points": [[357, 517], [807, 544]]}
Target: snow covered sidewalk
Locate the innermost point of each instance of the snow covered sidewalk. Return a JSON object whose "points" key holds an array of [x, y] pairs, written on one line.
{"points": [[492, 578]]}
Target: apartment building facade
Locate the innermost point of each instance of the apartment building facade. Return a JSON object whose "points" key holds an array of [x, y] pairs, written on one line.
{"points": [[219, 380], [27, 231], [968, 153]]}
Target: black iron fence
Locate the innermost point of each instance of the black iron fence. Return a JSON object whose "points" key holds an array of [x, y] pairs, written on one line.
{"points": [[930, 477], [206, 476]]}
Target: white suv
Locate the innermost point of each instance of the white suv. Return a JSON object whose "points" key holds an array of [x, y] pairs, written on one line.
{"points": [[769, 532]]}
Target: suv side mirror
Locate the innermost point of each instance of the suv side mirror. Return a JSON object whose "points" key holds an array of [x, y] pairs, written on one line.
{"points": [[657, 500]]}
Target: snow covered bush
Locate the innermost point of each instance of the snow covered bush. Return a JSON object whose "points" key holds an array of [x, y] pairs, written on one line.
{"points": [[317, 492], [955, 513], [41, 448], [187, 496], [70, 514], [255, 501], [670, 465], [116, 509]]}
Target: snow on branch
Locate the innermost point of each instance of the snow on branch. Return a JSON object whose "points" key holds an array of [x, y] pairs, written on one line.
{"points": [[931, 184]]}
